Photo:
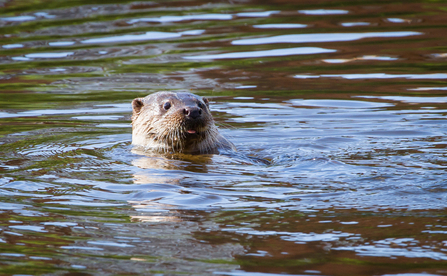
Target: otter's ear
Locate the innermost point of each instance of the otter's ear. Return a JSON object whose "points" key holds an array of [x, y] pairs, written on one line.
{"points": [[137, 104], [205, 100]]}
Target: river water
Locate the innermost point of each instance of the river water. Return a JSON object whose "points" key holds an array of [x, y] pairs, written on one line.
{"points": [[347, 99]]}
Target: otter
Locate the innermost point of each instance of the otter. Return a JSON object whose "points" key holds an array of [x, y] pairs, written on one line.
{"points": [[168, 122]]}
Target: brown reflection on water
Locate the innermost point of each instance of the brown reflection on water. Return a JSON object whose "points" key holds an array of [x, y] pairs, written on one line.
{"points": [[268, 250], [262, 75], [32, 242], [276, 74]]}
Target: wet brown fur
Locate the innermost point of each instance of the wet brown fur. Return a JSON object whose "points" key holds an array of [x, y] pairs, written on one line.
{"points": [[166, 131]]}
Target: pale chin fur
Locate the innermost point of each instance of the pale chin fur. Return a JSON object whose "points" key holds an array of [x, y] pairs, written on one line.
{"points": [[213, 141]]}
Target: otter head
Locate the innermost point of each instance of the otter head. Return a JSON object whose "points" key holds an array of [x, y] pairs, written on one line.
{"points": [[171, 122]]}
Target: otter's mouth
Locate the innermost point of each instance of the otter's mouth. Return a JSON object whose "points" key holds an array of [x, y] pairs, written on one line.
{"points": [[193, 133]]}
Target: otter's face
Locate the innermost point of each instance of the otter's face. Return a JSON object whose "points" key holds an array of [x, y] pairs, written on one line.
{"points": [[170, 120]]}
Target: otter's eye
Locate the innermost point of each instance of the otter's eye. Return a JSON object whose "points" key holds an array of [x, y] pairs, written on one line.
{"points": [[200, 105], [167, 105]]}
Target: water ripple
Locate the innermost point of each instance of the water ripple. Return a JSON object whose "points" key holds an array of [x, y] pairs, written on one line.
{"points": [[266, 53], [322, 37]]}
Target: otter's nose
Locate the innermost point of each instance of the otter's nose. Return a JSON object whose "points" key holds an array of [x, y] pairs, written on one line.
{"points": [[192, 112]]}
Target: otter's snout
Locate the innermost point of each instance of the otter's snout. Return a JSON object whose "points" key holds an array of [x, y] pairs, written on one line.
{"points": [[192, 112]]}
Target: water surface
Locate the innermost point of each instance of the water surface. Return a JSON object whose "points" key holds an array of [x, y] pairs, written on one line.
{"points": [[347, 100]]}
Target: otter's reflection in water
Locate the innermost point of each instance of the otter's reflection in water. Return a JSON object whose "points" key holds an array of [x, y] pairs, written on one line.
{"points": [[173, 182], [172, 212], [155, 212], [167, 168], [177, 161]]}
